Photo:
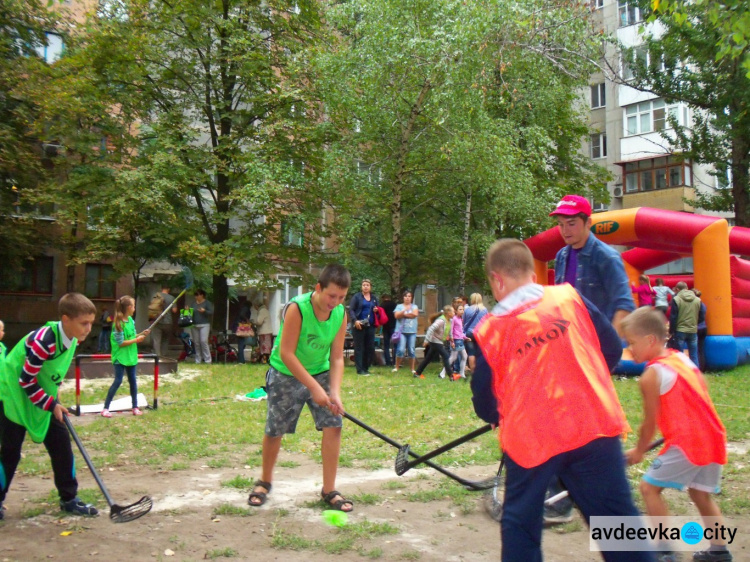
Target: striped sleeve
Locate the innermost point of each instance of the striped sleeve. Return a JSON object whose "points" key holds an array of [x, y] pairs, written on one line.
{"points": [[40, 346]]}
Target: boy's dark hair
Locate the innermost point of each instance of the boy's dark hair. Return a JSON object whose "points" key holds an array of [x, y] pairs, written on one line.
{"points": [[509, 256], [200, 292], [336, 274], [646, 321], [74, 305]]}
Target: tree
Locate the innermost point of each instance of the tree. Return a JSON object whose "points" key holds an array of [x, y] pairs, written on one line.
{"points": [[456, 122], [225, 143], [687, 63], [730, 19], [22, 27]]}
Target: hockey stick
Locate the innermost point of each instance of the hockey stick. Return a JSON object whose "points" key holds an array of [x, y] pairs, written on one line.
{"points": [[188, 284], [564, 494], [470, 484], [402, 458], [117, 513], [494, 504]]}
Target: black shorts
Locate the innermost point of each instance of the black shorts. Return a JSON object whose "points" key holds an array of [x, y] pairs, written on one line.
{"points": [[471, 347]]}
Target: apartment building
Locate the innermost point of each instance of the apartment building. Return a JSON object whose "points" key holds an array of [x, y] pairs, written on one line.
{"points": [[628, 126]]}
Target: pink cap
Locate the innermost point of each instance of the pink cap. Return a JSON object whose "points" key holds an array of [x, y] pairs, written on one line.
{"points": [[572, 205]]}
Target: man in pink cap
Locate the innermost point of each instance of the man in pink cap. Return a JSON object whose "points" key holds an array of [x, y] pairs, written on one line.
{"points": [[597, 271], [590, 265]]}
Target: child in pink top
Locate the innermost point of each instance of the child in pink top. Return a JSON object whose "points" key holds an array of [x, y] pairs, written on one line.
{"points": [[457, 342], [645, 292]]}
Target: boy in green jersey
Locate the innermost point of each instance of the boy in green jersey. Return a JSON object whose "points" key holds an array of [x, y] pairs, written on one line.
{"points": [[29, 381], [307, 366]]}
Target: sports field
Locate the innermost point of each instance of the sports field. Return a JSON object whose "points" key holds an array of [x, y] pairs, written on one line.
{"points": [[199, 452]]}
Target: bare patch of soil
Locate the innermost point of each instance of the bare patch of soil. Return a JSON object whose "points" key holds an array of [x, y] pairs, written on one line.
{"points": [[182, 524]]}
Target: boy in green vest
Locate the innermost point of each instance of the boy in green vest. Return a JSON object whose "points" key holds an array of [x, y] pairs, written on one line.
{"points": [[307, 366], [29, 381]]}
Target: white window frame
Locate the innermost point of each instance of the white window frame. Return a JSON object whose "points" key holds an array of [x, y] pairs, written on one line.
{"points": [[597, 4], [629, 12], [651, 116], [54, 48], [292, 234], [724, 181], [598, 146], [599, 95]]}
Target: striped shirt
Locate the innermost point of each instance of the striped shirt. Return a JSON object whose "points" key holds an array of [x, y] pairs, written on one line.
{"points": [[41, 345]]}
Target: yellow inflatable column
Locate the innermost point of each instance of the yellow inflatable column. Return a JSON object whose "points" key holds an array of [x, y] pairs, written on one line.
{"points": [[542, 271], [712, 276]]}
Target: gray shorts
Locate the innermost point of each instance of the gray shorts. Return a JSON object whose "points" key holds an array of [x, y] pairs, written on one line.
{"points": [[287, 396], [674, 470]]}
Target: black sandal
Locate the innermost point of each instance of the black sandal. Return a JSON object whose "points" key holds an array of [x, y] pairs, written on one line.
{"points": [[260, 496], [338, 504]]}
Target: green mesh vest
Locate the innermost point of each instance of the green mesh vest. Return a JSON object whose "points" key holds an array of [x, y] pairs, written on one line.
{"points": [[18, 408], [315, 338], [127, 355]]}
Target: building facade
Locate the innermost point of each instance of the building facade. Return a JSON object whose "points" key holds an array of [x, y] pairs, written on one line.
{"points": [[628, 126]]}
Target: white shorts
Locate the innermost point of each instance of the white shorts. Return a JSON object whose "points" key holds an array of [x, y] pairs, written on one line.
{"points": [[674, 470]]}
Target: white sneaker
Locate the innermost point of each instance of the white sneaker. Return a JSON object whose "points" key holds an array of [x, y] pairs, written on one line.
{"points": [[442, 374], [394, 370]]}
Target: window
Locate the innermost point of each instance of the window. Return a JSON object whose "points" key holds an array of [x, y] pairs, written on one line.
{"points": [[630, 13], [656, 173], [291, 233], [599, 145], [373, 172], [100, 281], [34, 277], [724, 178], [597, 4], [597, 206], [653, 115], [53, 49], [638, 56], [598, 96], [290, 288]]}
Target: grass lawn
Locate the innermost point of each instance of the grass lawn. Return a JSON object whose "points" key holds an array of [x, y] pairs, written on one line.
{"points": [[200, 421]]}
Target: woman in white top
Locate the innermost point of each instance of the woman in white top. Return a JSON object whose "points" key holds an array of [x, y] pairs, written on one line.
{"points": [[406, 322], [662, 295]]}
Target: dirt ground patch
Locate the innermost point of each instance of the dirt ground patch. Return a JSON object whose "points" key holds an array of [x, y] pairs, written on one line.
{"points": [[182, 524]]}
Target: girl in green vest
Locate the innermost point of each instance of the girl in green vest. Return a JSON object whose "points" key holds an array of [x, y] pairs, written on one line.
{"points": [[124, 352]]}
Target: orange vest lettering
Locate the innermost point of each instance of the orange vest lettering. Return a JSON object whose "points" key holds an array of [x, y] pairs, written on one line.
{"points": [[552, 384], [687, 417]]}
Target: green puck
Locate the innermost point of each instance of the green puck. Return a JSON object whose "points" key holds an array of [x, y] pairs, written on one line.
{"points": [[335, 517]]}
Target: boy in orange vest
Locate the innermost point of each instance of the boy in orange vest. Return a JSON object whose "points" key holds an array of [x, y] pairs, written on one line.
{"points": [[543, 372], [675, 398]]}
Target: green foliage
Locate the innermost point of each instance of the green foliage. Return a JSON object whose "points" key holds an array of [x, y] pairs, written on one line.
{"points": [[212, 136], [452, 123], [701, 45], [730, 18], [22, 167]]}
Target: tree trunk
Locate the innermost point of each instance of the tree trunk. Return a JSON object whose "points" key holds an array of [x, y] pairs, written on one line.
{"points": [[740, 167], [220, 295], [398, 187], [465, 246]]}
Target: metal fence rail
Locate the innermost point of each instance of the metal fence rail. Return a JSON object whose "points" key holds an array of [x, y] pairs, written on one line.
{"points": [[94, 356]]}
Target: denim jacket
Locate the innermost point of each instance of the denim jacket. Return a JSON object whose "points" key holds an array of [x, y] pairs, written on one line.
{"points": [[600, 276]]}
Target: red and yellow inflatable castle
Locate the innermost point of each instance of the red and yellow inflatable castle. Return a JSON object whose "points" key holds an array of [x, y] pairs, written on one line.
{"points": [[658, 237]]}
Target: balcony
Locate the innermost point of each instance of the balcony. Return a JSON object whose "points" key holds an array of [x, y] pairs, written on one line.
{"points": [[670, 199]]}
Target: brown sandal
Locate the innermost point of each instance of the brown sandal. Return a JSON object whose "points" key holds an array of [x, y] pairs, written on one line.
{"points": [[337, 504], [260, 496]]}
